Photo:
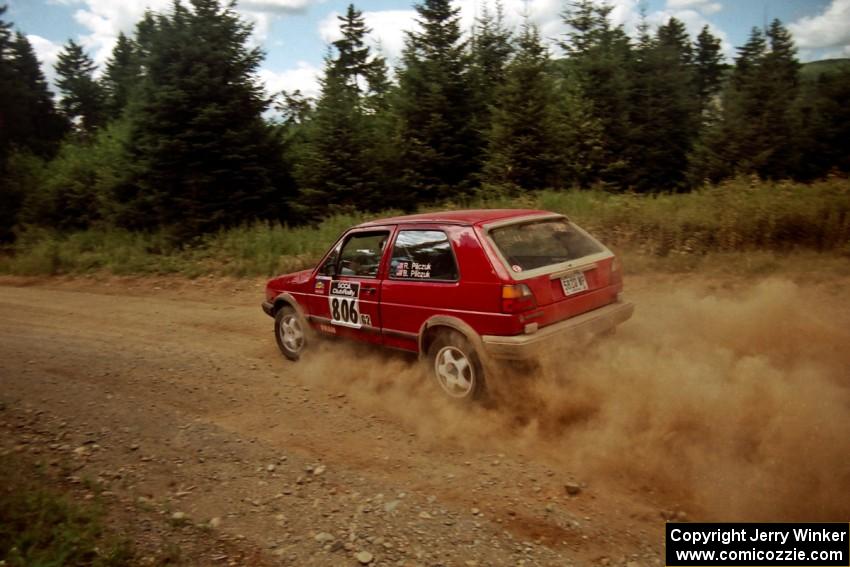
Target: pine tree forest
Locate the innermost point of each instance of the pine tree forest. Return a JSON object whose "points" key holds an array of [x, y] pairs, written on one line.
{"points": [[175, 133]]}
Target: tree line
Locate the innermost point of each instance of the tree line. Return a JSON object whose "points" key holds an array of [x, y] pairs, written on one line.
{"points": [[175, 133]]}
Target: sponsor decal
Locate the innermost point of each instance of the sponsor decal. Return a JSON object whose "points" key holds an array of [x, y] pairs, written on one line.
{"points": [[420, 271]]}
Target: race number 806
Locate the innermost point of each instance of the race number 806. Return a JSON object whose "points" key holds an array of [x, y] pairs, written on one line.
{"points": [[344, 304], [344, 311]]}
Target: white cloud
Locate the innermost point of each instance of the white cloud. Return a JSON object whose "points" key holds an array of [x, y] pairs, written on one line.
{"points": [[703, 6], [712, 8], [304, 77], [262, 13], [105, 19], [830, 29], [275, 6]]}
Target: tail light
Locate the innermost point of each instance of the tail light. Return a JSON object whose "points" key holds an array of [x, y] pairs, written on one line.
{"points": [[517, 298], [616, 270]]}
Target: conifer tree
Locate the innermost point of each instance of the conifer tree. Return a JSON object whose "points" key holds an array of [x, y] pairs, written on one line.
{"points": [[754, 133], [781, 73], [83, 99], [28, 117], [144, 36], [333, 170], [295, 107], [749, 59], [205, 157], [664, 114], [442, 150], [10, 196], [7, 88], [121, 77], [708, 68], [582, 138], [7, 81], [523, 149], [673, 37], [29, 123], [823, 116], [342, 163], [723, 149], [491, 49], [352, 62], [598, 58], [32, 122]]}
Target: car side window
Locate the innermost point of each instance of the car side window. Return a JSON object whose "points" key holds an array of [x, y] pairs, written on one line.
{"points": [[361, 254], [329, 267], [423, 255]]}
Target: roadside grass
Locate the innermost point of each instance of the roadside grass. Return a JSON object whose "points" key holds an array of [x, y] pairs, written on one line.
{"points": [[43, 528], [752, 224], [738, 215]]}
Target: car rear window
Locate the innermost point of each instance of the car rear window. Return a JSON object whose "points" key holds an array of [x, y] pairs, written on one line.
{"points": [[423, 255], [537, 244]]}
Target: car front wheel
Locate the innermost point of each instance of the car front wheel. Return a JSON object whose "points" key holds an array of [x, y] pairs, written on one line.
{"points": [[289, 332], [456, 366]]}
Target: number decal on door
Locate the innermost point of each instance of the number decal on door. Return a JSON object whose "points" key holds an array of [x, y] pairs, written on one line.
{"points": [[344, 304]]}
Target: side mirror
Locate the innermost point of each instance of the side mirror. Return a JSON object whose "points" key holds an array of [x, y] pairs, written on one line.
{"points": [[329, 267]]}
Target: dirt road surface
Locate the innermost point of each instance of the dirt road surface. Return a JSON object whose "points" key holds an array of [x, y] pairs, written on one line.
{"points": [[721, 400]]}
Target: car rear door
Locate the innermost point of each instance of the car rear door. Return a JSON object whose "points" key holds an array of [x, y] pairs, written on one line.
{"points": [[347, 287], [422, 280]]}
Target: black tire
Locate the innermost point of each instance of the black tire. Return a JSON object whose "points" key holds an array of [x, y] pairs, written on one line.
{"points": [[290, 332], [456, 367]]}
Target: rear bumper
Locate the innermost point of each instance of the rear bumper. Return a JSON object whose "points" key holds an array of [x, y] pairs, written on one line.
{"points": [[574, 330]]}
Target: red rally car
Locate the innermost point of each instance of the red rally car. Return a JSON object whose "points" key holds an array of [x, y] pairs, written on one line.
{"points": [[461, 288]]}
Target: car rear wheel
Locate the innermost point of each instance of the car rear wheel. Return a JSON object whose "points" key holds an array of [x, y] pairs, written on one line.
{"points": [[456, 367], [290, 333]]}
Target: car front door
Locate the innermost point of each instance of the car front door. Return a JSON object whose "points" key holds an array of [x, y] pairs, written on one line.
{"points": [[347, 286]]}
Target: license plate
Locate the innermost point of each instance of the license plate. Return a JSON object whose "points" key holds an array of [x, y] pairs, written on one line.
{"points": [[574, 283]]}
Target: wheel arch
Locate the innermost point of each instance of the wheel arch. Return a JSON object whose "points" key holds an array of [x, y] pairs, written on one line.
{"points": [[435, 325], [287, 299]]}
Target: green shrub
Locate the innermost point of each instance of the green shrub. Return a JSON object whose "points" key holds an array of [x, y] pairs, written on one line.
{"points": [[737, 216], [41, 528]]}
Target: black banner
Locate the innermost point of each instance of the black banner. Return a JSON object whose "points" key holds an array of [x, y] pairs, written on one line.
{"points": [[739, 544]]}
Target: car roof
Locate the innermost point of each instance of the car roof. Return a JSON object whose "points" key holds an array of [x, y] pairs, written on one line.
{"points": [[464, 217]]}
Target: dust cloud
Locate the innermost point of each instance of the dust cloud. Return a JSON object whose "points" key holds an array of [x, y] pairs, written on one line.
{"points": [[734, 405]]}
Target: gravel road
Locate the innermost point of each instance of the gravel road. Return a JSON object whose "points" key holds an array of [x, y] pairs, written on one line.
{"points": [[721, 401]]}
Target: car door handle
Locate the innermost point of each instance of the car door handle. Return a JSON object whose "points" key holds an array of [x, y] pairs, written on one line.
{"points": [[369, 290]]}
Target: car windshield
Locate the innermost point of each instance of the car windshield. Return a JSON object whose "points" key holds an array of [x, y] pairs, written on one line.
{"points": [[537, 244]]}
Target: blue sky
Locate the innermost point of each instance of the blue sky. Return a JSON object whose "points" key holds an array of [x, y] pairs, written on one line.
{"points": [[295, 33]]}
